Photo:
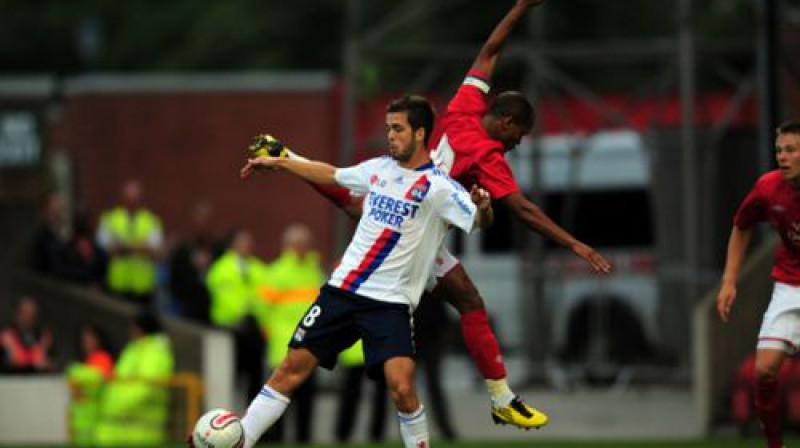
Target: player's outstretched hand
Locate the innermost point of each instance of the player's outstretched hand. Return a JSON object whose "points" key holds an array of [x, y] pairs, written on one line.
{"points": [[597, 261], [725, 299], [480, 197], [259, 163]]}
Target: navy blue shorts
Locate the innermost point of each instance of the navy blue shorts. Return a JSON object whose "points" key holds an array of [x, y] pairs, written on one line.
{"points": [[338, 318]]}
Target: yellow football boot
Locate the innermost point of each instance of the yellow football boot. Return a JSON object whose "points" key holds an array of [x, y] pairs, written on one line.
{"points": [[519, 414]]}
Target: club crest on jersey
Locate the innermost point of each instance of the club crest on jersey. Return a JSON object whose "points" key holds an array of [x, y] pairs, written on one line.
{"points": [[419, 190]]}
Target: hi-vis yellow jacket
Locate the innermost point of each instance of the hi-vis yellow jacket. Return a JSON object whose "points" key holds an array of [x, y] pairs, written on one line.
{"points": [[131, 273], [292, 283]]}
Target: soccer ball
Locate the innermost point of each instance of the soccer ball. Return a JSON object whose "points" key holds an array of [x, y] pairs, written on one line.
{"points": [[218, 428]]}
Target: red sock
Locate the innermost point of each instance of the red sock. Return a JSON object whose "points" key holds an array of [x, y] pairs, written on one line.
{"points": [[340, 196], [768, 409], [482, 344]]}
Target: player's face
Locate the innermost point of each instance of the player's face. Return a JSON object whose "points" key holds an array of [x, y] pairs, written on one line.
{"points": [[401, 138], [787, 154], [509, 133]]}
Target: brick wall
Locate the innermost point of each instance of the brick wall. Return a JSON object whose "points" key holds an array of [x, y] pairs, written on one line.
{"points": [[186, 145]]}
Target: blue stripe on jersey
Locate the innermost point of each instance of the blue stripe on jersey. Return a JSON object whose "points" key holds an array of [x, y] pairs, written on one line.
{"points": [[384, 246]]}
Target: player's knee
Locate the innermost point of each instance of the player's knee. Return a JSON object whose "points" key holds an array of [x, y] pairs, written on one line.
{"points": [[457, 289], [403, 394], [400, 385], [401, 388]]}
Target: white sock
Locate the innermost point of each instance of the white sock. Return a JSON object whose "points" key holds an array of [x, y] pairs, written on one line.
{"points": [[500, 392], [414, 428], [263, 411]]}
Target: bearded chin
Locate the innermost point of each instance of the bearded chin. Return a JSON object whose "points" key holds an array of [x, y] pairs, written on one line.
{"points": [[403, 156]]}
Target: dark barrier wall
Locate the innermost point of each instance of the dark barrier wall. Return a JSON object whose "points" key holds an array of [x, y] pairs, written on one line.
{"points": [[64, 308]]}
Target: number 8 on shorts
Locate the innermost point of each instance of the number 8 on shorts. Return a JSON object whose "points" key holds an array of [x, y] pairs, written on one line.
{"points": [[312, 315]]}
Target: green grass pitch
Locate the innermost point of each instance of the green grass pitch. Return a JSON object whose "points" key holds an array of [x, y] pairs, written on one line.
{"points": [[534, 442]]}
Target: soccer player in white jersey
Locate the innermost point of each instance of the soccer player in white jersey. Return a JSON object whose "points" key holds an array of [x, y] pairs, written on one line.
{"points": [[409, 206]]}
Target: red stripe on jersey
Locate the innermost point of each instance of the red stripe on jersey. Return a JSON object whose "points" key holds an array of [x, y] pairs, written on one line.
{"points": [[385, 238]]}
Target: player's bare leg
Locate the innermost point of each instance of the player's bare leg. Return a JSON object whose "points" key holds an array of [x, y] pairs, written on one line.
{"points": [[457, 289], [399, 373]]}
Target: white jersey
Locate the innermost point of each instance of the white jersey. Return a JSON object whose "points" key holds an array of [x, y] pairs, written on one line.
{"points": [[406, 216]]}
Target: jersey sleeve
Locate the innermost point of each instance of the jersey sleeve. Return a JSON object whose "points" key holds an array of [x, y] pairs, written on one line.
{"points": [[495, 176], [469, 98], [357, 177], [752, 210], [454, 205]]}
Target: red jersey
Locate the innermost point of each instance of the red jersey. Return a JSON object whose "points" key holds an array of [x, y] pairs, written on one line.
{"points": [[775, 201], [462, 148]]}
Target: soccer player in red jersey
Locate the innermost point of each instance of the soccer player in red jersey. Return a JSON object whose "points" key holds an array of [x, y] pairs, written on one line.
{"points": [[469, 143], [775, 198]]}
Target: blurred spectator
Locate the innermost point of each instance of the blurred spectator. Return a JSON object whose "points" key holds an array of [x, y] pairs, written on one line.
{"points": [[86, 379], [86, 261], [51, 237], [66, 250], [292, 283], [132, 236], [233, 282], [351, 361], [431, 326], [26, 344], [134, 408], [189, 264]]}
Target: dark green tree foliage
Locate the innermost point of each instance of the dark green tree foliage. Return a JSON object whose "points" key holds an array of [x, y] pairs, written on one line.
{"points": [[147, 35], [239, 35]]}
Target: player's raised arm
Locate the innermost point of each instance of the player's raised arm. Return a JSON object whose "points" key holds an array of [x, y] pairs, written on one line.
{"points": [[487, 58], [737, 246], [536, 219], [308, 170], [267, 145]]}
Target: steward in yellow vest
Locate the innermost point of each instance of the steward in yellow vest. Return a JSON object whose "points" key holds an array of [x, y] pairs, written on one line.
{"points": [[132, 236], [135, 405], [292, 283], [233, 281], [87, 379]]}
